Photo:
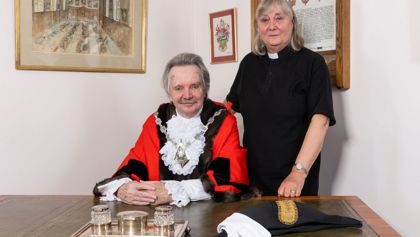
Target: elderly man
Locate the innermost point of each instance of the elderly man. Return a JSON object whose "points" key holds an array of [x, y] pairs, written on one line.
{"points": [[188, 149]]}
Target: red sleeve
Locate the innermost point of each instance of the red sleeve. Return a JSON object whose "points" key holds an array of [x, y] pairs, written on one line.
{"points": [[226, 145], [144, 154]]}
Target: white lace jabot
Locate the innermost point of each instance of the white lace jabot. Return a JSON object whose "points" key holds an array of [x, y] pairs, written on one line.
{"points": [[191, 133]]}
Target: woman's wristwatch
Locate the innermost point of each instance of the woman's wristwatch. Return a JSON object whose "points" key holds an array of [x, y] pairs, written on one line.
{"points": [[300, 167]]}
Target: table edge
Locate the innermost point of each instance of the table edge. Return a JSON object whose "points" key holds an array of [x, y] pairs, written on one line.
{"points": [[378, 225]]}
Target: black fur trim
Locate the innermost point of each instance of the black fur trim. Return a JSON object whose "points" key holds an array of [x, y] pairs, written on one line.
{"points": [[135, 167], [228, 196], [207, 184], [221, 169], [209, 109]]}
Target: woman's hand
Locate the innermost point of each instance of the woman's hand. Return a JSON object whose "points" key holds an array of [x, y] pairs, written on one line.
{"points": [[137, 193], [228, 106], [292, 185]]}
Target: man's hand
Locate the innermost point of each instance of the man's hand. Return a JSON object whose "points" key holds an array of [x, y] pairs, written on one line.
{"points": [[137, 193], [162, 194]]}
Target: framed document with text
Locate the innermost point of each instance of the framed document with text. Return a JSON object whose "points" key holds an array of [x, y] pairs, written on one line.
{"points": [[325, 27]]}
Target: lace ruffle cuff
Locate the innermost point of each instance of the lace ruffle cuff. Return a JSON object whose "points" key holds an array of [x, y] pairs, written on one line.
{"points": [[107, 190]]}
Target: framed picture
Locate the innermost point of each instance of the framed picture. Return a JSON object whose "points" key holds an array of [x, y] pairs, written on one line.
{"points": [[81, 35], [223, 36], [325, 26]]}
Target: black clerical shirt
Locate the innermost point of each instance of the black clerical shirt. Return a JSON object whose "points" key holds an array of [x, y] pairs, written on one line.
{"points": [[277, 99]]}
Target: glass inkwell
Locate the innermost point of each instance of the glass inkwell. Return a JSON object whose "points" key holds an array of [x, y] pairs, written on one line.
{"points": [[101, 220], [164, 221]]}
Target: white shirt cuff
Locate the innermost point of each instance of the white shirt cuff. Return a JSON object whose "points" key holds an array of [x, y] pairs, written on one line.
{"points": [[185, 191], [240, 225], [195, 190], [179, 196], [107, 190]]}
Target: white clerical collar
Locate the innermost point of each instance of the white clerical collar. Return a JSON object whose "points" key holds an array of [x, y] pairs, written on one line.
{"points": [[197, 115], [273, 55]]}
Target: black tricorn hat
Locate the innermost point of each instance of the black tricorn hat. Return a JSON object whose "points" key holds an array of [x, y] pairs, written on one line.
{"points": [[287, 216]]}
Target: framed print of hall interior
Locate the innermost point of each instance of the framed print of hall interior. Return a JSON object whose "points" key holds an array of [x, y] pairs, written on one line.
{"points": [[81, 35]]}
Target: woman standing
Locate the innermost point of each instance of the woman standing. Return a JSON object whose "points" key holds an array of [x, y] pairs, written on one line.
{"points": [[283, 92]]}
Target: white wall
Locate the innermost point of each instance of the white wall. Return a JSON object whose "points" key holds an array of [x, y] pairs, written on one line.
{"points": [[372, 152], [60, 132]]}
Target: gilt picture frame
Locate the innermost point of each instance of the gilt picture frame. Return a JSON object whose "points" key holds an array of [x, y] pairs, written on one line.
{"points": [[81, 35], [338, 60], [223, 36]]}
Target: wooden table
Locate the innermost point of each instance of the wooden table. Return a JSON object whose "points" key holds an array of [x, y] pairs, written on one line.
{"points": [[63, 215]]}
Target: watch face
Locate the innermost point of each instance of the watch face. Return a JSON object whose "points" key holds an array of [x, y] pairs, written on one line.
{"points": [[299, 166]]}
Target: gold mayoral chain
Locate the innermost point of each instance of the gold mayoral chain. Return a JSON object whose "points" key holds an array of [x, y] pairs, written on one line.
{"points": [[181, 155]]}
